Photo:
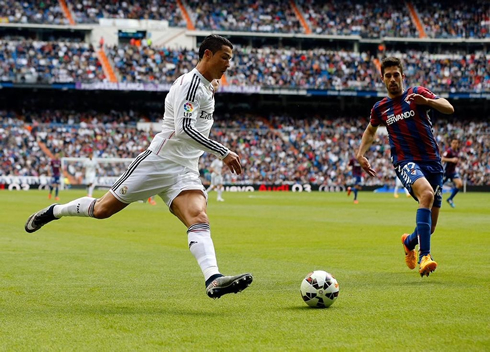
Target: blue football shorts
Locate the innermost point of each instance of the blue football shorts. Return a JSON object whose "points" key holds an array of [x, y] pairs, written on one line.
{"points": [[358, 180], [55, 180], [451, 176], [408, 172]]}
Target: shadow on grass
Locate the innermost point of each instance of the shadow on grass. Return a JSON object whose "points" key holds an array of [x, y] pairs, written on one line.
{"points": [[310, 309], [108, 310]]}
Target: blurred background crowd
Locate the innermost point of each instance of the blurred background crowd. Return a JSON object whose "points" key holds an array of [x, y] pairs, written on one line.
{"points": [[284, 49], [274, 149]]}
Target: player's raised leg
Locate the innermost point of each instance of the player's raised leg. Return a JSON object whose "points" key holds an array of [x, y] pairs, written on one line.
{"points": [[82, 207], [458, 184], [190, 207]]}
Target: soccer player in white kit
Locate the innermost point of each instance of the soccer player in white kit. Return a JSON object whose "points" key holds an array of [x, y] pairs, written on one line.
{"points": [[169, 167], [217, 178], [90, 166]]}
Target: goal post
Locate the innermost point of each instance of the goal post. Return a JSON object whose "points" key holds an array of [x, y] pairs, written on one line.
{"points": [[108, 171]]}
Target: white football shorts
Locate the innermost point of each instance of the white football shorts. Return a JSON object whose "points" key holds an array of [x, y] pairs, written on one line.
{"points": [[90, 178], [150, 174], [216, 179]]}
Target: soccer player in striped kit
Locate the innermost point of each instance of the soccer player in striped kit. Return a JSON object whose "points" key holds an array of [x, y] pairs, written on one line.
{"points": [[451, 158], [414, 154], [55, 165], [169, 167], [357, 175]]}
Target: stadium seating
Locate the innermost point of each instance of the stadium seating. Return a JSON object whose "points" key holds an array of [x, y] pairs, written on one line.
{"points": [[47, 12], [48, 62], [90, 11], [439, 19], [276, 150], [318, 68]]}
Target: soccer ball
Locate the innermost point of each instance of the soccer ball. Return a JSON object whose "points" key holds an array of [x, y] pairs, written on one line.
{"points": [[319, 289]]}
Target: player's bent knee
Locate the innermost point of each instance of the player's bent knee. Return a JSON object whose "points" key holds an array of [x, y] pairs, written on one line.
{"points": [[427, 197], [200, 218]]}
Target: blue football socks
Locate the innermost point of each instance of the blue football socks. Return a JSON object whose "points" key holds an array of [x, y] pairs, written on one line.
{"points": [[412, 240], [355, 190], [424, 222], [454, 191]]}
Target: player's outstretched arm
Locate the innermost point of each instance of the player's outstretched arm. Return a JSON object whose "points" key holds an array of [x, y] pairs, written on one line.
{"points": [[367, 140]]}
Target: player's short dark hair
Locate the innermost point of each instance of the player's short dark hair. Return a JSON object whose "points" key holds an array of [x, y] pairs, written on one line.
{"points": [[214, 43], [390, 62]]}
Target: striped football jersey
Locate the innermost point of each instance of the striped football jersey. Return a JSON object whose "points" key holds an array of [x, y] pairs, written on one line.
{"points": [[409, 127]]}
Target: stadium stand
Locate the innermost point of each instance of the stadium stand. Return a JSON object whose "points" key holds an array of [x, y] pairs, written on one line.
{"points": [[90, 11], [289, 47], [48, 62], [413, 19], [40, 12], [35, 61], [277, 149]]}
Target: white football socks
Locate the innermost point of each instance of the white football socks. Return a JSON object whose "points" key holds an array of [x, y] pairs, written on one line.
{"points": [[202, 247], [83, 207], [90, 189]]}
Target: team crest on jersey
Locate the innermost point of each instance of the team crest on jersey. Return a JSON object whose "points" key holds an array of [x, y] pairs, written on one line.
{"points": [[188, 107], [124, 190]]}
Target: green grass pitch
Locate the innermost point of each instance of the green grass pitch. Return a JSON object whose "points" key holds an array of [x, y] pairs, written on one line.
{"points": [[129, 283]]}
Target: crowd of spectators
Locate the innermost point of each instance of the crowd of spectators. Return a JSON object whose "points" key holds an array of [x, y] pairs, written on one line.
{"points": [[315, 68], [274, 149], [151, 64], [276, 16], [293, 68], [378, 19], [90, 11], [48, 62], [38, 12], [449, 72], [384, 18], [455, 19], [268, 67]]}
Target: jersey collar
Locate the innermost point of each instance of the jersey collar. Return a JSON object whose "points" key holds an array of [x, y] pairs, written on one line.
{"points": [[203, 79]]}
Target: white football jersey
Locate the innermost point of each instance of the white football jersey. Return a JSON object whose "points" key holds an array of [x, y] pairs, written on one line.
{"points": [[187, 121], [90, 166], [217, 166]]}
